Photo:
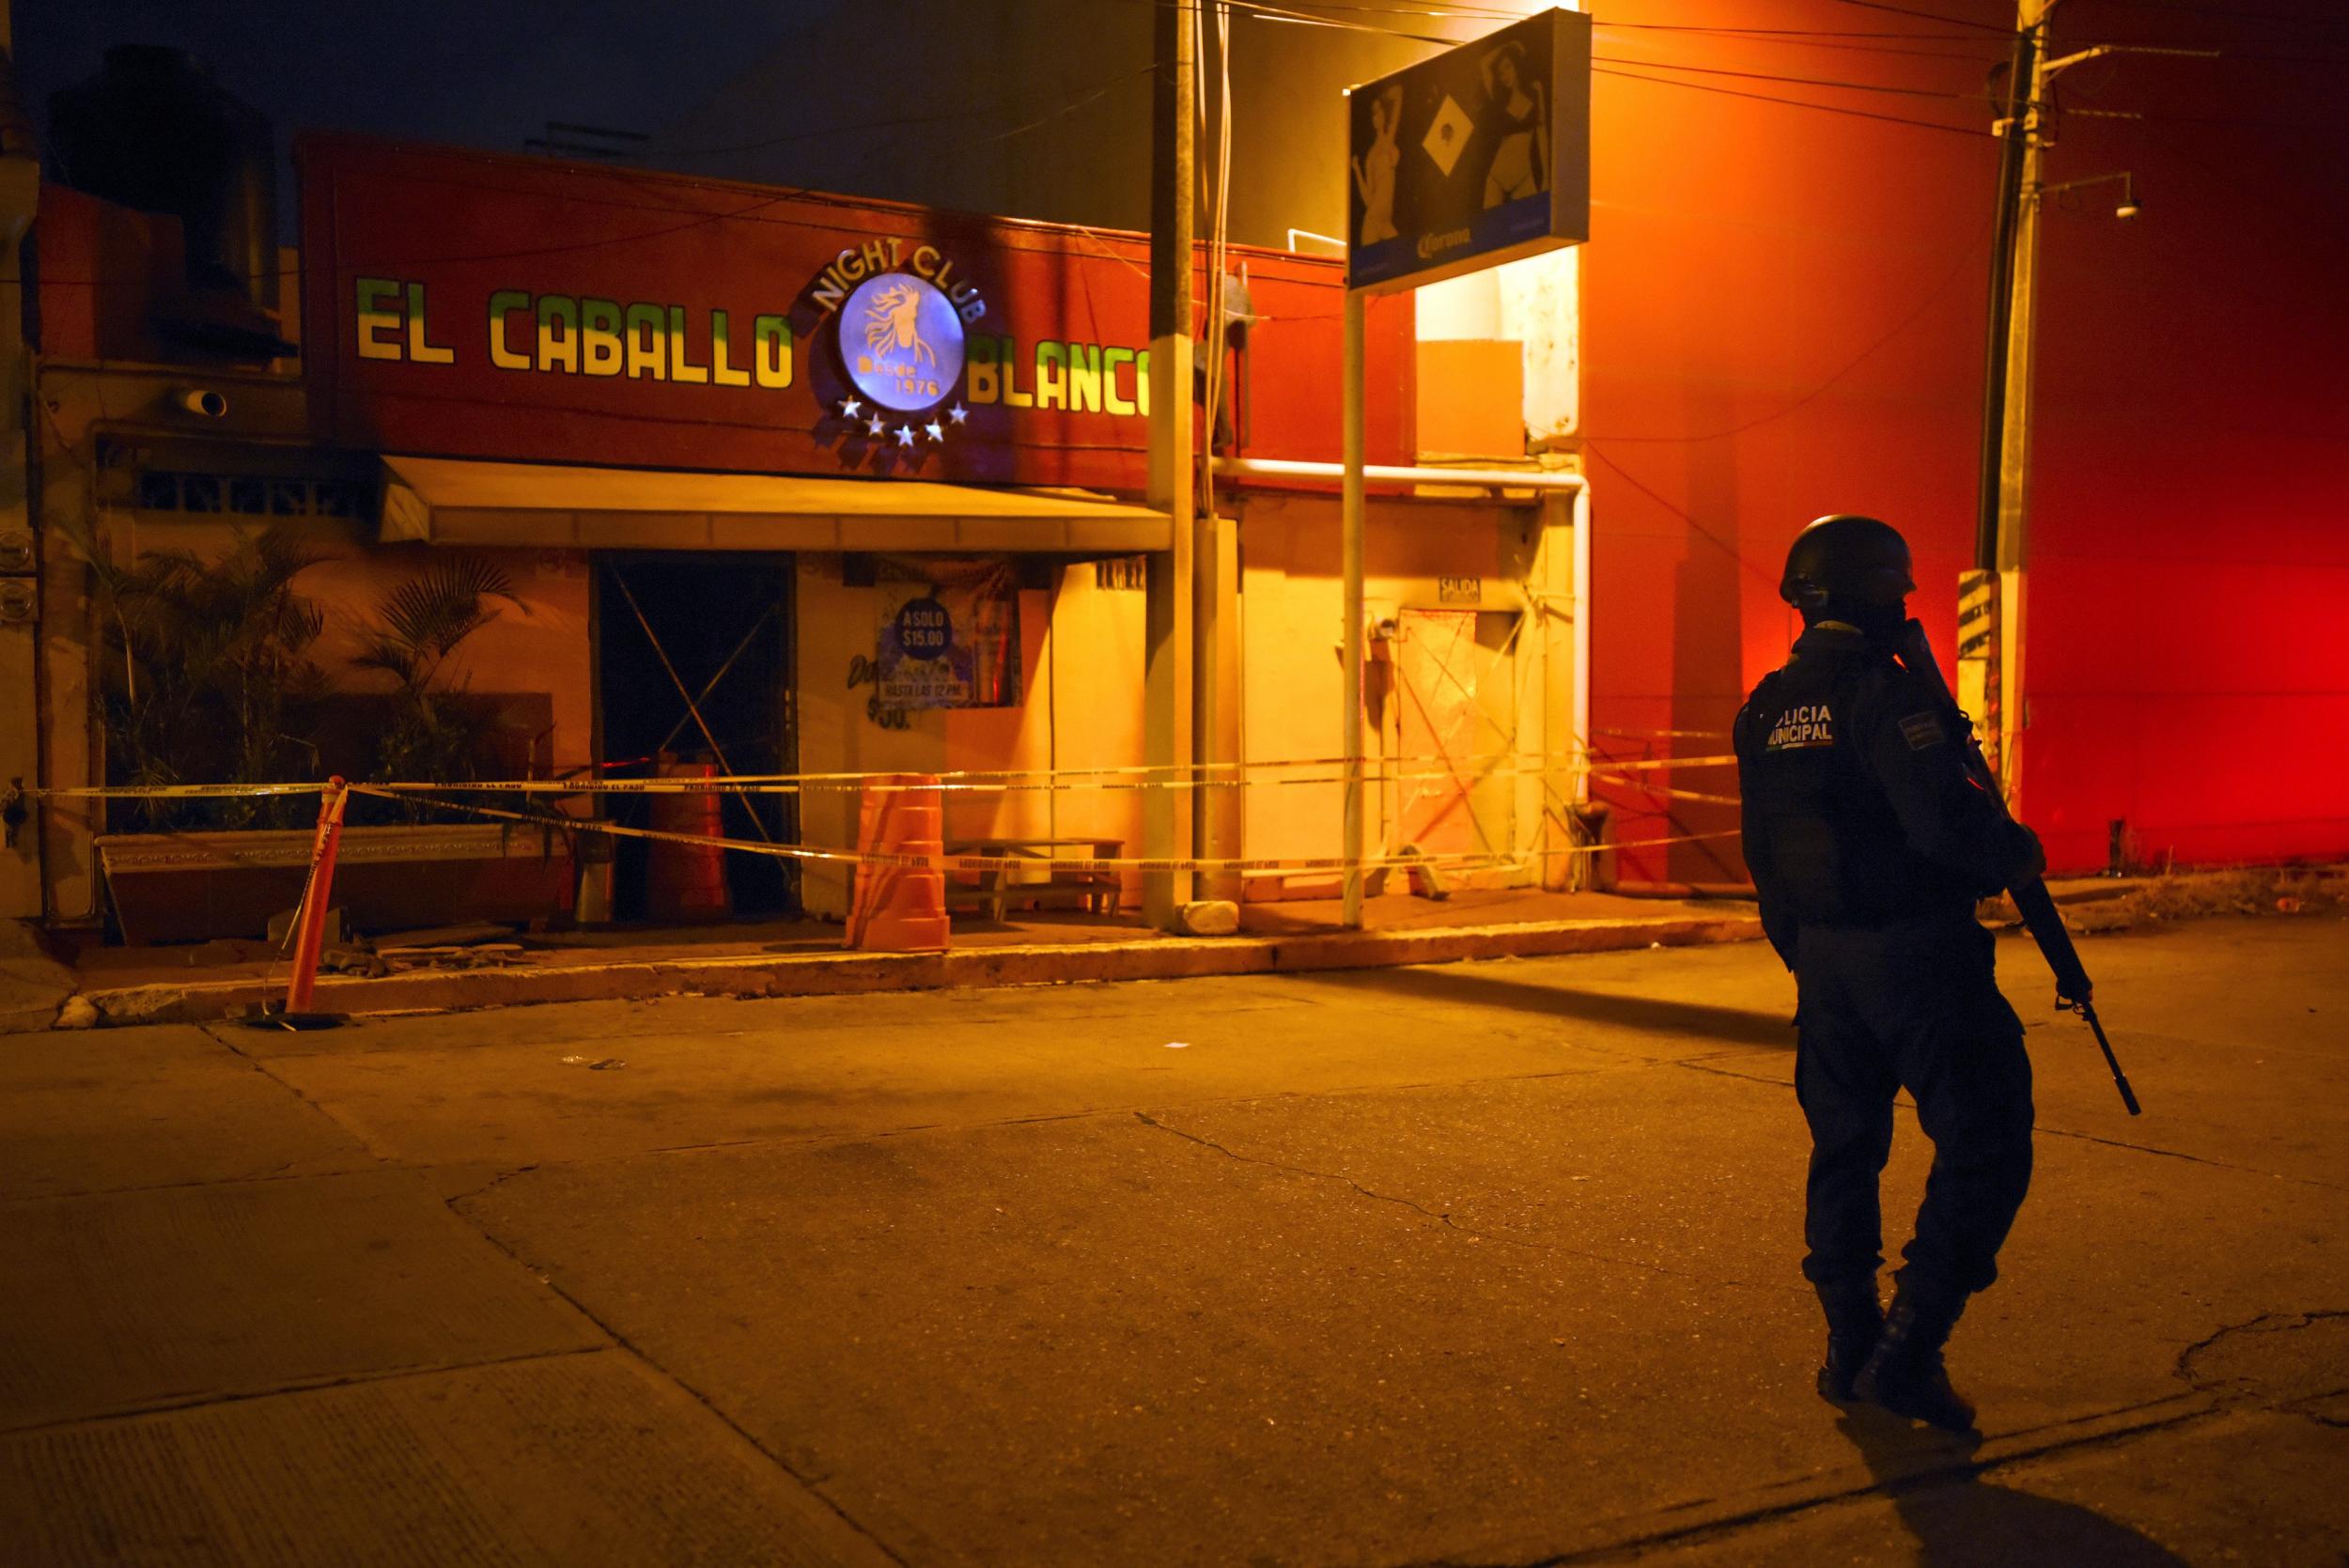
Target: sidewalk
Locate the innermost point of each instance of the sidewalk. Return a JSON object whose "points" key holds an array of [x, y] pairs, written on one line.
{"points": [[194, 982], [220, 980]]}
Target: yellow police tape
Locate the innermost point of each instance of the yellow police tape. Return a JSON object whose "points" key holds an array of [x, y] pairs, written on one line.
{"points": [[1243, 775], [1011, 863]]}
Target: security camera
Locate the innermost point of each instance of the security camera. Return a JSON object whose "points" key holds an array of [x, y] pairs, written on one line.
{"points": [[202, 401]]}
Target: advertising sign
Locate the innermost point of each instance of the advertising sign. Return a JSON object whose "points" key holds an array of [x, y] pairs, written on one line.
{"points": [[477, 305], [1476, 157], [948, 644]]}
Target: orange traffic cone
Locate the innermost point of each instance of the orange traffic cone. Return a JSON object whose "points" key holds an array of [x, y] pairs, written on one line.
{"points": [[899, 908]]}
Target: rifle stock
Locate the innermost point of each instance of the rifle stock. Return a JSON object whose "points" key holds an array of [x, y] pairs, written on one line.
{"points": [[2032, 899]]}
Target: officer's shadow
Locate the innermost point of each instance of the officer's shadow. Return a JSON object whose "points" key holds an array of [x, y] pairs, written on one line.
{"points": [[1960, 1520]]}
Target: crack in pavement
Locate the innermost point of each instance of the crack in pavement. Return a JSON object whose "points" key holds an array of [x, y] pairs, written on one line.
{"points": [[300, 1386], [213, 1033], [2197, 1160], [1443, 1219], [644, 1355], [2285, 1323], [1704, 1066], [1958, 1472]]}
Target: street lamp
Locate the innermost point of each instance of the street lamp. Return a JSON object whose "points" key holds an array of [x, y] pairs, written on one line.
{"points": [[2127, 206]]}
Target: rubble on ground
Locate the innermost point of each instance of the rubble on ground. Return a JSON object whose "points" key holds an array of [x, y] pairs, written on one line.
{"points": [[2197, 895]]}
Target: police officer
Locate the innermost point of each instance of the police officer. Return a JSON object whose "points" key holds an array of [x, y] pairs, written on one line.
{"points": [[1870, 844]]}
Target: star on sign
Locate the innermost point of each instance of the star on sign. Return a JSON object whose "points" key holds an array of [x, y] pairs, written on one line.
{"points": [[935, 433], [958, 413], [876, 426], [904, 435], [849, 407]]}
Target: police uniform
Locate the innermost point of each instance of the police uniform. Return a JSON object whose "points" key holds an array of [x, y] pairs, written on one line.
{"points": [[1870, 844]]}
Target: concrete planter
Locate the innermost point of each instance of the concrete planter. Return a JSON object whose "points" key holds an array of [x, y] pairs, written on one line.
{"points": [[183, 887]]}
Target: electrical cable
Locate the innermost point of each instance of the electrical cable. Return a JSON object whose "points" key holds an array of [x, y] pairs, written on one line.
{"points": [[1932, 16], [1792, 103], [2233, 13], [1730, 550], [973, 112], [1972, 60], [1263, 10], [1797, 81], [1966, 258]]}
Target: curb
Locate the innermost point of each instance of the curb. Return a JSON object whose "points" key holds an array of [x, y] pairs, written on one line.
{"points": [[848, 973]]}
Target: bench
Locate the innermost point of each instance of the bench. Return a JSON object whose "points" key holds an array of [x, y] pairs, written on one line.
{"points": [[1094, 890]]}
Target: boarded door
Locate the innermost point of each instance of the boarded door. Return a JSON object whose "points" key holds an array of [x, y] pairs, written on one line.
{"points": [[1455, 701]]}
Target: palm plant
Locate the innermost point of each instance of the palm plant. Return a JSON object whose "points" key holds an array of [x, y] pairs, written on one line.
{"points": [[435, 734], [205, 675]]}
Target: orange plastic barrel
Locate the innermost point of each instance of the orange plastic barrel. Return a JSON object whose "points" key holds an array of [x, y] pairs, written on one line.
{"points": [[686, 881], [899, 908]]}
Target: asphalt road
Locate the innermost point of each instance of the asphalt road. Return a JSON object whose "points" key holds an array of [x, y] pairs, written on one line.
{"points": [[1489, 1263]]}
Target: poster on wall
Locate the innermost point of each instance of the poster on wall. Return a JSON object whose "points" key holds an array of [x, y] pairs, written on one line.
{"points": [[948, 638]]}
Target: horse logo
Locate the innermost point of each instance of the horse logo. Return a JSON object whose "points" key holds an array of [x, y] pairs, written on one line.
{"points": [[902, 340]]}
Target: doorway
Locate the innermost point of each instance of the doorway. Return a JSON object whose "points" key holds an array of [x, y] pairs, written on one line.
{"points": [[1457, 731], [693, 654]]}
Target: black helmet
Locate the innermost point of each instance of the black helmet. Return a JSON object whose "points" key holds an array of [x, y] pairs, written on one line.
{"points": [[1849, 560]]}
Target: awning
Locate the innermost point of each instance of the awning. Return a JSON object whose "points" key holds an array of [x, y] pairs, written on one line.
{"points": [[454, 502]]}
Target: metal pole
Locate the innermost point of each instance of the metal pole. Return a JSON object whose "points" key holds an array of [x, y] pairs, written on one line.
{"points": [[2019, 96], [25, 757], [1351, 546], [1169, 695], [2014, 446]]}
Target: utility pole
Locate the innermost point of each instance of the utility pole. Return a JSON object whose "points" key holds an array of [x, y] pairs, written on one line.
{"points": [[20, 553], [1168, 809], [2014, 433], [1981, 660]]}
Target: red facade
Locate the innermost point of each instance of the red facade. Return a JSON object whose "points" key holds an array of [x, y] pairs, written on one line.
{"points": [[1784, 316], [654, 268]]}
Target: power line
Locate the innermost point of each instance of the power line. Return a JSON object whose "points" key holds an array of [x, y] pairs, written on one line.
{"points": [[1840, 45], [1932, 16], [1798, 81], [1073, 102], [1795, 33], [2236, 14], [1702, 532], [1791, 102], [1965, 258], [1259, 7]]}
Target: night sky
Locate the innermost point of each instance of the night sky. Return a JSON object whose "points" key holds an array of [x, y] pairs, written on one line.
{"points": [[475, 73]]}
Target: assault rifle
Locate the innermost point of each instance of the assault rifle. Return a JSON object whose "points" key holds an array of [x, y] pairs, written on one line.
{"points": [[2030, 895]]}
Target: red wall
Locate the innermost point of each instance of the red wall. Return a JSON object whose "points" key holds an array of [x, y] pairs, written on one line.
{"points": [[1784, 316], [464, 225]]}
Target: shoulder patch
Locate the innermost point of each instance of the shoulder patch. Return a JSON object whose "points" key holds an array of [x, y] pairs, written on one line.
{"points": [[1924, 730]]}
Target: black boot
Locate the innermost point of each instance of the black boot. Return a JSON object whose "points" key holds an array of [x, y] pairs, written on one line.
{"points": [[1854, 1319], [1905, 1374]]}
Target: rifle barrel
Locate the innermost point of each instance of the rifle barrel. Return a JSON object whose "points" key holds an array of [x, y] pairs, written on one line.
{"points": [[2120, 1079]]}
